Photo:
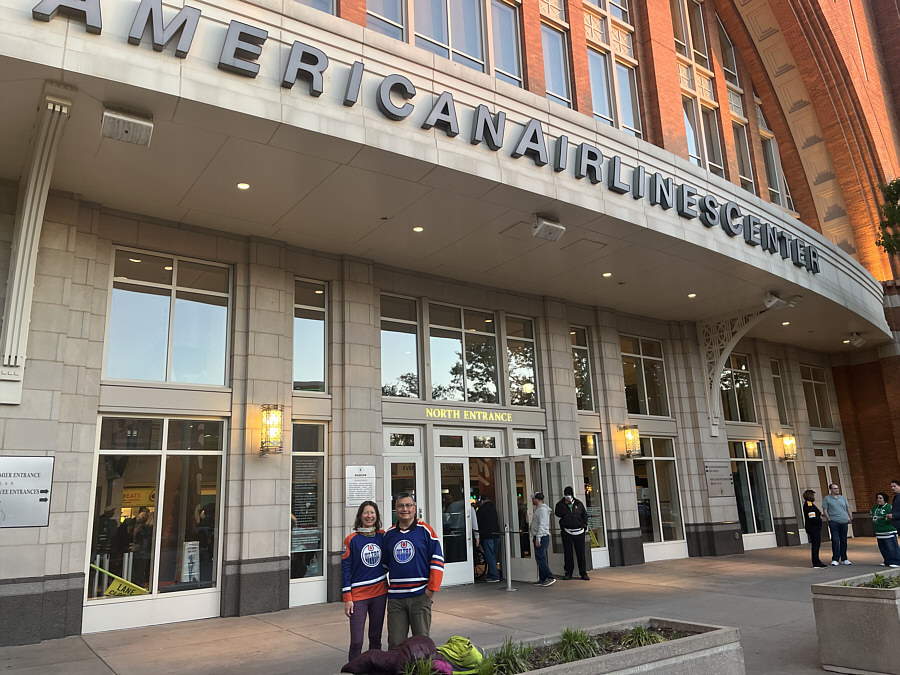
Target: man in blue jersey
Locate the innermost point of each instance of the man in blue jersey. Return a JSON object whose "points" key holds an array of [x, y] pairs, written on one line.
{"points": [[415, 566]]}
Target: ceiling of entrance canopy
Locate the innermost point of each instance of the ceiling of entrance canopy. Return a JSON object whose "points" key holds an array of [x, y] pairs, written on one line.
{"points": [[333, 195]]}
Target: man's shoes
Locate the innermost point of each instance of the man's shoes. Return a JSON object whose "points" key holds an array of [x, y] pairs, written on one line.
{"points": [[585, 577], [820, 566], [492, 581], [893, 565], [835, 562], [568, 577], [549, 582], [539, 582], [847, 562], [883, 564]]}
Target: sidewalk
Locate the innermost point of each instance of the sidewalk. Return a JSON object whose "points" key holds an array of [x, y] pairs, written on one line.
{"points": [[764, 593]]}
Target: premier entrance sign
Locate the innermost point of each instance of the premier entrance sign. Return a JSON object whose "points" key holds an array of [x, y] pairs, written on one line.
{"points": [[243, 45], [25, 484]]}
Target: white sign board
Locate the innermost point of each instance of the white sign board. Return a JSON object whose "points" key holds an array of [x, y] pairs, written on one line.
{"points": [[359, 485], [25, 484], [190, 561], [719, 480]]}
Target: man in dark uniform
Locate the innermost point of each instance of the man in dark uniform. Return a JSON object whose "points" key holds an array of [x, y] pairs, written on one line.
{"points": [[573, 521]]}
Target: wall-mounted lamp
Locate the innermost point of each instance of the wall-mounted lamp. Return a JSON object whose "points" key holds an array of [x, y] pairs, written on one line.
{"points": [[272, 433], [632, 441], [751, 449], [789, 443]]}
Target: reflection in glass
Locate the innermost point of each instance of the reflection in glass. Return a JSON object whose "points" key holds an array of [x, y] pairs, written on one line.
{"points": [[130, 434], [138, 324], [403, 479], [628, 99], [522, 389], [453, 518], [446, 365], [465, 20], [192, 434], [309, 350], [399, 360], [555, 65], [124, 525], [321, 5], [593, 502], [656, 483], [198, 340], [646, 503], [505, 31], [583, 395], [481, 369], [307, 515], [188, 529], [600, 94], [669, 504]]}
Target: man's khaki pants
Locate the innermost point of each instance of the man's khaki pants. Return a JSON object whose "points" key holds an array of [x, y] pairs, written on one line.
{"points": [[406, 613]]}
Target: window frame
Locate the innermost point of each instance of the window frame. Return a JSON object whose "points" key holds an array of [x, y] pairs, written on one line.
{"points": [[323, 499], [418, 333], [534, 347], [307, 3], [642, 358], [651, 459], [738, 454], [173, 288], [564, 98], [593, 459], [807, 377], [324, 311], [780, 398], [728, 371], [573, 336]]}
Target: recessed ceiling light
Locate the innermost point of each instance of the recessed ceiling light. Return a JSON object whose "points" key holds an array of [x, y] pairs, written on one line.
{"points": [[134, 260], [319, 292], [489, 321], [607, 275], [168, 268], [418, 228], [243, 186], [785, 323], [846, 341], [692, 295]]}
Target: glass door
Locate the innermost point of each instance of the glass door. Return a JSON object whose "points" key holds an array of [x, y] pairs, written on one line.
{"points": [[456, 522], [556, 474], [402, 474], [517, 487]]}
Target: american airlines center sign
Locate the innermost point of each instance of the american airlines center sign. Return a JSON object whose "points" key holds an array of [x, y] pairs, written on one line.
{"points": [[395, 99]]}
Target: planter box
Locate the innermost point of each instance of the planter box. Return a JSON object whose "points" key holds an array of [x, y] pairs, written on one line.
{"points": [[857, 627], [713, 650]]}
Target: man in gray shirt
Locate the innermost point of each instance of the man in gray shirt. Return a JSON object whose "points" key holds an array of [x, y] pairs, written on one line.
{"points": [[836, 512], [540, 537]]}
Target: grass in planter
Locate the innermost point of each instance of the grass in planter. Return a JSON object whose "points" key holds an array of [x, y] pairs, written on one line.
{"points": [[420, 666], [640, 636], [877, 581], [510, 659], [574, 645]]}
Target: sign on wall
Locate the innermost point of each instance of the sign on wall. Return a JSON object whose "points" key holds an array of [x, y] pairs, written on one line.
{"points": [[719, 481], [25, 484], [359, 485]]}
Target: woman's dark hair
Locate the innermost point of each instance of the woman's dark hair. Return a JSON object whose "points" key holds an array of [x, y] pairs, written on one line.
{"points": [[887, 500], [358, 522], [809, 495]]}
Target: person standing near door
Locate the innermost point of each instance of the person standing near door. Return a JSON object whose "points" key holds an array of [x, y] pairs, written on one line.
{"points": [[812, 521], [573, 522], [540, 536], [363, 581], [836, 512], [415, 567], [489, 528]]}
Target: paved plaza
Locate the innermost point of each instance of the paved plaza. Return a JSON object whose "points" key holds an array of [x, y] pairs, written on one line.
{"points": [[764, 593]]}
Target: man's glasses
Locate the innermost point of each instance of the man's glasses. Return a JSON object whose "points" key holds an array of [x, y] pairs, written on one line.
{"points": [[405, 507]]}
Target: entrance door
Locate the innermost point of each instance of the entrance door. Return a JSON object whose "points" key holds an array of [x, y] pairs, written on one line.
{"points": [[518, 486], [556, 474], [403, 474], [456, 521]]}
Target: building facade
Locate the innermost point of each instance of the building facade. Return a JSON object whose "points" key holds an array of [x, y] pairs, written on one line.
{"points": [[267, 259]]}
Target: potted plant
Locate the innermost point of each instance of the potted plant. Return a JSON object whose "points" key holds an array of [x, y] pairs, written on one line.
{"points": [[857, 619]]}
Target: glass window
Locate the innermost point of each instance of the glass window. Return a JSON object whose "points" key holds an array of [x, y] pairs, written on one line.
{"points": [[619, 9], [463, 355], [743, 156], [451, 30], [147, 291], [505, 34], [768, 151], [593, 490], [711, 139], [729, 62], [737, 395], [581, 364], [148, 541], [815, 391], [556, 65], [779, 392], [656, 486], [679, 26], [307, 501], [749, 476], [520, 352], [645, 376], [309, 335], [321, 5], [698, 33], [691, 130], [628, 99], [399, 347], [386, 17], [598, 62]]}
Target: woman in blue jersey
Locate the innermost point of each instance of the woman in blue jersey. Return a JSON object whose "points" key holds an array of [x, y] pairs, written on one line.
{"points": [[364, 584]]}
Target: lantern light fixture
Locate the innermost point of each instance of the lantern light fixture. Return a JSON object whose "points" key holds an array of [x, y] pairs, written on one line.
{"points": [[272, 432], [632, 441], [789, 443]]}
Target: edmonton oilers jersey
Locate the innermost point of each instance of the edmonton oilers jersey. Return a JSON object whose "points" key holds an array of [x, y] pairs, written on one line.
{"points": [[362, 567], [414, 560]]}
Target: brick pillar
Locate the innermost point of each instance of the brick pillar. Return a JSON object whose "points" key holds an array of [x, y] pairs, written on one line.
{"points": [[581, 75], [533, 56], [353, 11], [655, 45]]}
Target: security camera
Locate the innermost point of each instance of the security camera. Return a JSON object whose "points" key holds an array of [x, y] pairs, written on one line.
{"points": [[547, 229], [857, 340], [772, 301]]}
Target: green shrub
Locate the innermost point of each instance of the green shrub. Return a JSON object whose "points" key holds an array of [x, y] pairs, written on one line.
{"points": [[575, 645], [881, 581], [418, 667], [510, 659], [639, 636]]}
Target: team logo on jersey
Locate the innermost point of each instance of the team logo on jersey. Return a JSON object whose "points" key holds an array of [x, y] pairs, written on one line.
{"points": [[404, 551], [370, 555]]}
